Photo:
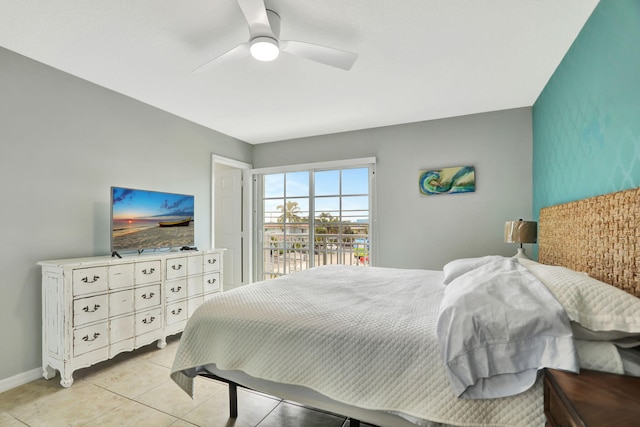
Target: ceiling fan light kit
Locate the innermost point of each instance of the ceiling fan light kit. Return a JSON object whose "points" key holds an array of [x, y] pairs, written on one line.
{"points": [[264, 49], [265, 45]]}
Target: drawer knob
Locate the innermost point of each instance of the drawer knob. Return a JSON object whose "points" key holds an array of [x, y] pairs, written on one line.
{"points": [[176, 289], [211, 281], [148, 296], [212, 260], [95, 336], [89, 310], [148, 320], [176, 312], [86, 279], [176, 266], [148, 271]]}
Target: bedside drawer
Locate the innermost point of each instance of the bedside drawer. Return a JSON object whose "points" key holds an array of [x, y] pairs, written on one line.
{"points": [[89, 280], [147, 272], [554, 408], [92, 309], [590, 398]]}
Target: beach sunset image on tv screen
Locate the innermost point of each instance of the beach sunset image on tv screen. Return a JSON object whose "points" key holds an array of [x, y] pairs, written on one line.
{"points": [[142, 219]]}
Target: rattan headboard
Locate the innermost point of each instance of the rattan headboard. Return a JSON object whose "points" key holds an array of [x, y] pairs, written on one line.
{"points": [[599, 235]]}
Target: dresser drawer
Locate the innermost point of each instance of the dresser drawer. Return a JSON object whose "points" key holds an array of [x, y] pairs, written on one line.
{"points": [[176, 290], [211, 262], [194, 285], [192, 304], [90, 338], [211, 282], [121, 329], [147, 272], [121, 302], [89, 280], [120, 276], [176, 312], [149, 296], [148, 321], [176, 268], [91, 309], [194, 265]]}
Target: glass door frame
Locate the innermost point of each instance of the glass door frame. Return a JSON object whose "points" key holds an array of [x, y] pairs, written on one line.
{"points": [[257, 203]]}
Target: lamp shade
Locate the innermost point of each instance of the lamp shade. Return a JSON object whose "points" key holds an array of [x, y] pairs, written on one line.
{"points": [[520, 231]]}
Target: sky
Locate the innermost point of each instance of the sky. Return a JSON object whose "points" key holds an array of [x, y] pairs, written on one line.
{"points": [[142, 204], [353, 184]]}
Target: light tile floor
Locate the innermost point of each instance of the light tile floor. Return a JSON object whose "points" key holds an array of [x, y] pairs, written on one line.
{"points": [[134, 389]]}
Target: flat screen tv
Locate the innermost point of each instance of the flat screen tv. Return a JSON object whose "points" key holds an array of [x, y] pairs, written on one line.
{"points": [[142, 219]]}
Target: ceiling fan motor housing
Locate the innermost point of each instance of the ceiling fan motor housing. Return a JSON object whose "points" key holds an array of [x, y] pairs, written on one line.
{"points": [[264, 48]]}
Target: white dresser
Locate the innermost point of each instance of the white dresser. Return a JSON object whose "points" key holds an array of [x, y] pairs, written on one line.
{"points": [[95, 308]]}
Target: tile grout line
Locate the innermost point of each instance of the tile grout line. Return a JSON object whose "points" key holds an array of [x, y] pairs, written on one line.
{"points": [[109, 391]]}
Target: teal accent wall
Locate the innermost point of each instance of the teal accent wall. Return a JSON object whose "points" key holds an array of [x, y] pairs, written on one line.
{"points": [[586, 121]]}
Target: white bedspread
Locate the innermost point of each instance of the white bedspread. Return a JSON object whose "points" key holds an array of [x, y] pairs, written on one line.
{"points": [[361, 336]]}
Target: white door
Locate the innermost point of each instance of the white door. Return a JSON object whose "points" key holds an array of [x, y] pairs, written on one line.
{"points": [[228, 223]]}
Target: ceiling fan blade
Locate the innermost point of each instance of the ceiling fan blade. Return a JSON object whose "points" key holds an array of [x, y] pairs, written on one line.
{"points": [[322, 54], [255, 13], [237, 52]]}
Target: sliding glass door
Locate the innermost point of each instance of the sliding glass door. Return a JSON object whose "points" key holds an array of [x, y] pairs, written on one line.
{"points": [[313, 217]]}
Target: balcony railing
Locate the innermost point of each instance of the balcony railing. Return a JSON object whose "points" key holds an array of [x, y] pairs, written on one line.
{"points": [[284, 254]]}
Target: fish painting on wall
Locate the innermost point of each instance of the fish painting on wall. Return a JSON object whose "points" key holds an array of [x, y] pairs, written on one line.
{"points": [[460, 179]]}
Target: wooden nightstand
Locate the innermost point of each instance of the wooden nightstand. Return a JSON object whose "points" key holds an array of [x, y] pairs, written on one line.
{"points": [[591, 399]]}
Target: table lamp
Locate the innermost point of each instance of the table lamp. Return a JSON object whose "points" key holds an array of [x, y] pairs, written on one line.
{"points": [[520, 232]]}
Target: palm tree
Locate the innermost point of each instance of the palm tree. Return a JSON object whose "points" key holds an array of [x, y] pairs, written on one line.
{"points": [[289, 214], [329, 223], [324, 217]]}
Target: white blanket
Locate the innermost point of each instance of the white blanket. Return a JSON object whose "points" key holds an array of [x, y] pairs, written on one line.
{"points": [[362, 336]]}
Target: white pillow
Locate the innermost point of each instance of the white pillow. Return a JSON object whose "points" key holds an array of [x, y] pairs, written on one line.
{"points": [[619, 338], [593, 304], [456, 268]]}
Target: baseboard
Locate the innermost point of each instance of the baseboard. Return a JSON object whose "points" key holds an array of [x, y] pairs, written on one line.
{"points": [[20, 379]]}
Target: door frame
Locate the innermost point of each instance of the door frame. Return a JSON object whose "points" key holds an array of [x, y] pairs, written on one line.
{"points": [[257, 210], [247, 235]]}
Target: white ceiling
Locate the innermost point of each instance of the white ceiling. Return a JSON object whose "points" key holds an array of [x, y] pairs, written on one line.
{"points": [[419, 59]]}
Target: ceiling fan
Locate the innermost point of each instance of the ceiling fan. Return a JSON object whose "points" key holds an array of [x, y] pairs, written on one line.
{"points": [[265, 45]]}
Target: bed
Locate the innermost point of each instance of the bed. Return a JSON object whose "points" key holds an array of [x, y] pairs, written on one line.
{"points": [[385, 346]]}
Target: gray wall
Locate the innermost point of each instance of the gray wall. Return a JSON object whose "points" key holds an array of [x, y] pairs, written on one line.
{"points": [[63, 143], [416, 231]]}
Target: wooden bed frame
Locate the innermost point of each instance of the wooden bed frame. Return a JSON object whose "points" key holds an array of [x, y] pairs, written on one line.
{"points": [[598, 235]]}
